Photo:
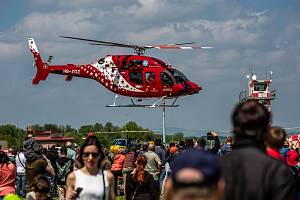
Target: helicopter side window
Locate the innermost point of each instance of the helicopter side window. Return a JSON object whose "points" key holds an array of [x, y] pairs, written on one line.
{"points": [[135, 62], [178, 75], [136, 77], [150, 78], [101, 61], [166, 79]]}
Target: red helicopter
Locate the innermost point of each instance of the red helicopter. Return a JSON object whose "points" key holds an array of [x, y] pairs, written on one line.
{"points": [[136, 76]]}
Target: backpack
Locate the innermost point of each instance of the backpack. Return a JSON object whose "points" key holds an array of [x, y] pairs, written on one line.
{"points": [[63, 171]]}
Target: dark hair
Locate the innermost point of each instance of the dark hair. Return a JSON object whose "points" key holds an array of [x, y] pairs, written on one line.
{"points": [[63, 151], [41, 184], [133, 148], [92, 140], [4, 159], [141, 162], [157, 142], [201, 142], [275, 137], [250, 120], [181, 143], [144, 147], [189, 143], [172, 144]]}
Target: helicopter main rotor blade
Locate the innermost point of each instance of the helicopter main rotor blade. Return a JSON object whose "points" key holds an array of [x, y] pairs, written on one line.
{"points": [[180, 47], [109, 45], [100, 42], [138, 49]]}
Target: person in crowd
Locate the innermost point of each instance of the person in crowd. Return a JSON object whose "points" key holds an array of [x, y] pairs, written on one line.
{"points": [[51, 165], [7, 175], [144, 148], [216, 146], [248, 171], [21, 178], [140, 184], [227, 147], [129, 164], [12, 155], [181, 146], [292, 160], [90, 182], [189, 143], [201, 144], [274, 142], [285, 148], [36, 164], [71, 152], [161, 152], [153, 163], [171, 155], [196, 174], [117, 166], [106, 163], [64, 166], [41, 189]]}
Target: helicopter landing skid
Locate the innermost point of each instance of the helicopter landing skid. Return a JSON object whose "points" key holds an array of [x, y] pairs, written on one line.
{"points": [[160, 103]]}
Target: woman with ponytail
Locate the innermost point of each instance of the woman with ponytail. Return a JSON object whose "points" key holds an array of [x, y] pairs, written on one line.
{"points": [[140, 184]]}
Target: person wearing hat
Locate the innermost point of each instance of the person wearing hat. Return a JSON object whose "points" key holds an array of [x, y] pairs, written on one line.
{"points": [[195, 175], [249, 173]]}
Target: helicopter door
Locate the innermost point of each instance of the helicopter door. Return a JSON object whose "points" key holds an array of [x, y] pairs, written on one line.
{"points": [[136, 78], [166, 81], [150, 80]]}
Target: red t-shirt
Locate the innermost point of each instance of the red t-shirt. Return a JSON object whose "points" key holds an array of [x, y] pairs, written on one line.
{"points": [[275, 154], [7, 179]]}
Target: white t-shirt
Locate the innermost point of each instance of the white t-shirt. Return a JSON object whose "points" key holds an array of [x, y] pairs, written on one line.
{"points": [[20, 163], [92, 186]]}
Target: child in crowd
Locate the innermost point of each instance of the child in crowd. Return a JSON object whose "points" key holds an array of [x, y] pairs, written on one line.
{"points": [[41, 189]]}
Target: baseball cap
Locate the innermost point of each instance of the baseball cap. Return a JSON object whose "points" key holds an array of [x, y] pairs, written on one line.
{"points": [[204, 162]]}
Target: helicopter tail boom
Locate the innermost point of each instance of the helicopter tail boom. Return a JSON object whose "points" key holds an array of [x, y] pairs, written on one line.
{"points": [[42, 68]]}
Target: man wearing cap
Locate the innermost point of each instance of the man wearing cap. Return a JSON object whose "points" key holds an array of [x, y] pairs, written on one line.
{"points": [[248, 171], [196, 175]]}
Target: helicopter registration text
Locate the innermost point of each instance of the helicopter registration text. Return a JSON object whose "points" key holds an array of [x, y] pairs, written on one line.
{"points": [[73, 71]]}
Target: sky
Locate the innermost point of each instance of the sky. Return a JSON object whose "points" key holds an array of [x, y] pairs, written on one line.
{"points": [[246, 35]]}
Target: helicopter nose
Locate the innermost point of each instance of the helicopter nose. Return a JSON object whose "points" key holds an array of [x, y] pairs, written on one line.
{"points": [[194, 87]]}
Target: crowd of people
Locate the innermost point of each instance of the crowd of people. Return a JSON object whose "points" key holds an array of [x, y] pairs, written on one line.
{"points": [[256, 162]]}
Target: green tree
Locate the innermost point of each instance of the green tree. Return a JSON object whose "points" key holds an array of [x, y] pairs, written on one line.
{"points": [[86, 129], [13, 135], [178, 136], [98, 127]]}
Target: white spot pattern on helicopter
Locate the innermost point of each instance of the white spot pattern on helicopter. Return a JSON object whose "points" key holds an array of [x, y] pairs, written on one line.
{"points": [[113, 77]]}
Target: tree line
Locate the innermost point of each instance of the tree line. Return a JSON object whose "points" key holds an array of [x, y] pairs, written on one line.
{"points": [[107, 132]]}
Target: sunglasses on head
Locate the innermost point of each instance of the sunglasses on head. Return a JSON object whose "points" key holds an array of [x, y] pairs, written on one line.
{"points": [[87, 154]]}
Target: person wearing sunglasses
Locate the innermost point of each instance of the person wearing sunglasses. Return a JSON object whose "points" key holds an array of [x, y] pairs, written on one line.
{"points": [[90, 182]]}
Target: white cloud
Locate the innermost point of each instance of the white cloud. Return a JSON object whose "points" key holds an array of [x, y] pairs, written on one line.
{"points": [[149, 8], [238, 32], [10, 50], [42, 24]]}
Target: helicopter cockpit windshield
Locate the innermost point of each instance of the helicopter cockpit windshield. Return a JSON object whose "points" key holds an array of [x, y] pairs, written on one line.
{"points": [[178, 75]]}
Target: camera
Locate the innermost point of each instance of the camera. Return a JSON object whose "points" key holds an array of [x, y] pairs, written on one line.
{"points": [[209, 136]]}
